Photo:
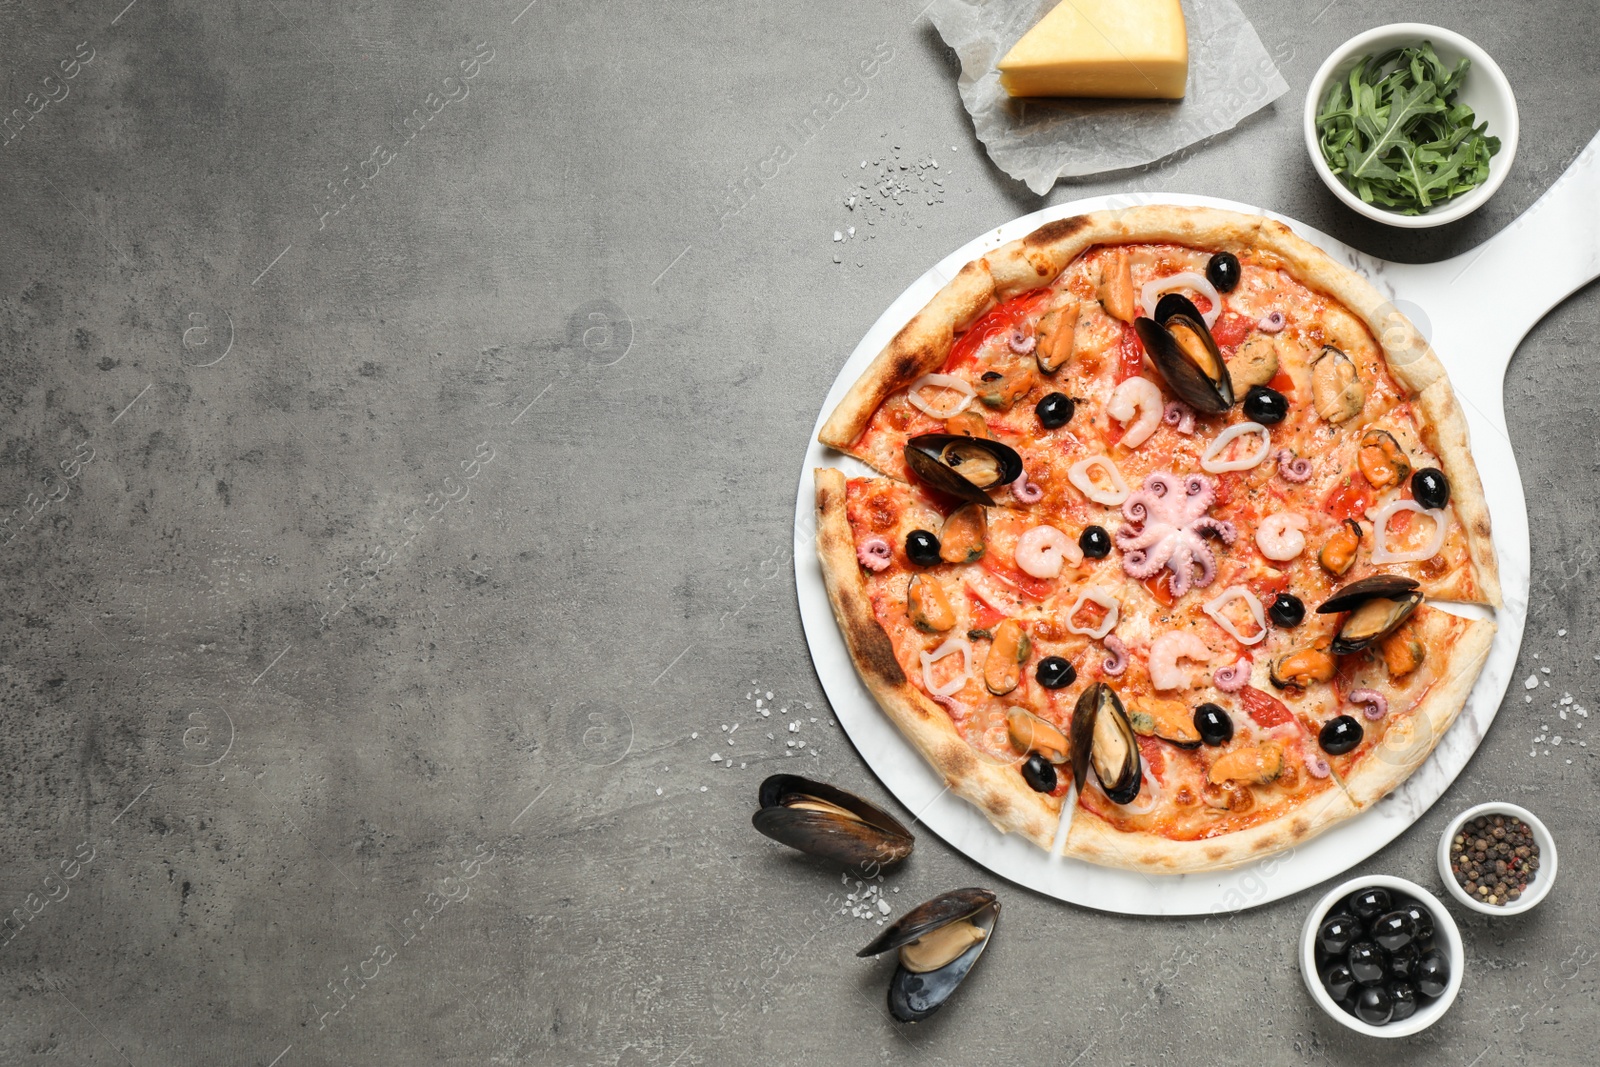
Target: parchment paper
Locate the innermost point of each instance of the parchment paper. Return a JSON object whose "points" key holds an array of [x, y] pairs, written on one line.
{"points": [[1039, 141]]}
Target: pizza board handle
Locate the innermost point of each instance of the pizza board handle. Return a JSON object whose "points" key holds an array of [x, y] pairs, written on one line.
{"points": [[1516, 277]]}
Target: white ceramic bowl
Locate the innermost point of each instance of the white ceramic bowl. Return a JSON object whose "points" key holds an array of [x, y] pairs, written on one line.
{"points": [[1544, 878], [1486, 91], [1447, 940]]}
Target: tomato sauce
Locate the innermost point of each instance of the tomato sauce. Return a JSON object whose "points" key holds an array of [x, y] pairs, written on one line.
{"points": [[1036, 588], [1130, 354], [1002, 319], [1265, 709], [1350, 499]]}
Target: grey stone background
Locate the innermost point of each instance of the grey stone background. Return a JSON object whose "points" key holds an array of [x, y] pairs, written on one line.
{"points": [[381, 580]]}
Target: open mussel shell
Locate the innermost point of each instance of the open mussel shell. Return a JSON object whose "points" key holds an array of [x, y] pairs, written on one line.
{"points": [[939, 942], [964, 467], [1103, 738], [1183, 350], [1377, 604], [820, 820]]}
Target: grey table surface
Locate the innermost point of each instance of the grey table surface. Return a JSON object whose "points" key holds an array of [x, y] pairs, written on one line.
{"points": [[390, 575]]}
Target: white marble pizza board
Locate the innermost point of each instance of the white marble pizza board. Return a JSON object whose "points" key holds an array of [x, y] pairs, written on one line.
{"points": [[1475, 309]]}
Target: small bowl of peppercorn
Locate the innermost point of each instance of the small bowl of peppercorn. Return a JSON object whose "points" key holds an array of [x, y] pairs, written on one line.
{"points": [[1497, 859]]}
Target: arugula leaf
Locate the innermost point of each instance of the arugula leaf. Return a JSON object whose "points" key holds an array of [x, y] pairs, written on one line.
{"points": [[1393, 131]]}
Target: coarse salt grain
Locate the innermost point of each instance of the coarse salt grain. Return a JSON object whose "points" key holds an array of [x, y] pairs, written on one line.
{"points": [[1532, 682]]}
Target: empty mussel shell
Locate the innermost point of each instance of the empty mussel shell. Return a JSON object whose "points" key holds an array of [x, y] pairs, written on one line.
{"points": [[1183, 350], [1377, 604], [822, 820], [964, 467], [1103, 738], [939, 943]]}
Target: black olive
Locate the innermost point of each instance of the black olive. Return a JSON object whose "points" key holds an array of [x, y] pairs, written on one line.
{"points": [[1393, 930], [1403, 962], [1421, 919], [1367, 962], [1374, 1005], [1432, 975], [1095, 542], [1054, 672], [1430, 487], [922, 548], [1265, 405], [1338, 981], [1039, 773], [1214, 724], [1340, 735], [1368, 904], [1336, 933], [1404, 995], [1287, 610], [1222, 271], [1054, 410]]}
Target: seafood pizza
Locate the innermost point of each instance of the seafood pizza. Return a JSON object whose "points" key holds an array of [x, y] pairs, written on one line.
{"points": [[1168, 503]]}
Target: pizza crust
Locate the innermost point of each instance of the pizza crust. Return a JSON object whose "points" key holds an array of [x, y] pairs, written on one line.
{"points": [[1095, 840], [999, 792]]}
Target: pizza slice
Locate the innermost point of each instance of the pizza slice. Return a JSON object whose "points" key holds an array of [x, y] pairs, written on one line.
{"points": [[1251, 787], [1392, 700]]}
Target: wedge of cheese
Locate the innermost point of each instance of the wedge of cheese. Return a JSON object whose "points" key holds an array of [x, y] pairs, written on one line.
{"points": [[1121, 48]]}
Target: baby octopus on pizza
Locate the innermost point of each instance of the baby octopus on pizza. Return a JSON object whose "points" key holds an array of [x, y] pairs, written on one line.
{"points": [[1164, 496]]}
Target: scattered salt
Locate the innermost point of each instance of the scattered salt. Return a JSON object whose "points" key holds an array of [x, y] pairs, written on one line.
{"points": [[1532, 682], [716, 757]]}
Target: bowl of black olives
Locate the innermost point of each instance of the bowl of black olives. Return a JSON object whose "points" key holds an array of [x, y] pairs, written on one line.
{"points": [[1382, 956]]}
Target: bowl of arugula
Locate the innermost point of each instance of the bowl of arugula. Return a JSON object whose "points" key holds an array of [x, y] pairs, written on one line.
{"points": [[1411, 125]]}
